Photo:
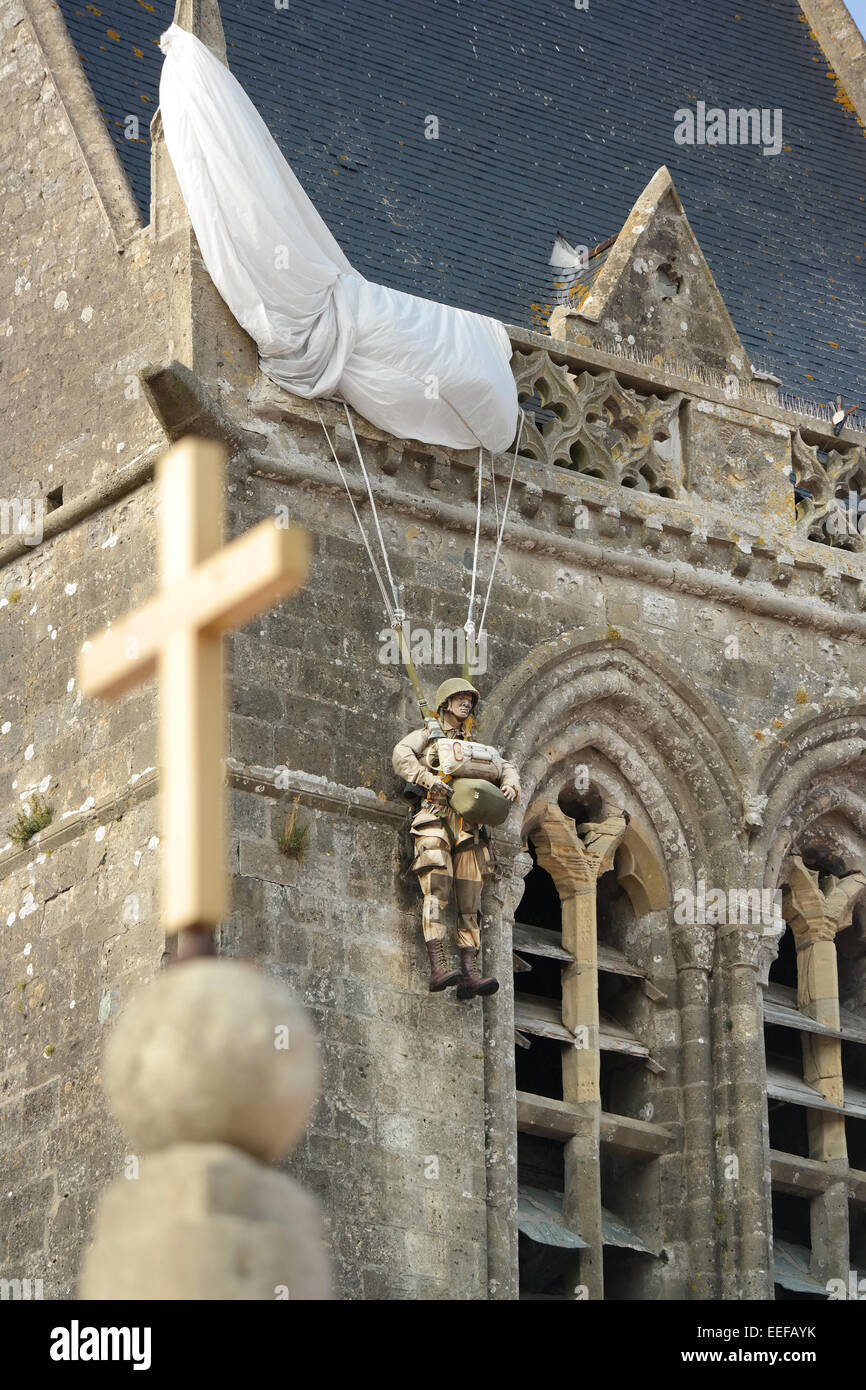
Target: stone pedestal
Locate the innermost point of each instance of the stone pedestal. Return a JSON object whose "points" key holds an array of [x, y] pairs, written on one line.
{"points": [[204, 1221], [211, 1069]]}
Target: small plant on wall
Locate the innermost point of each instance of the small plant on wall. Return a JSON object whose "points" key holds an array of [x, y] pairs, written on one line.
{"points": [[292, 839], [30, 821]]}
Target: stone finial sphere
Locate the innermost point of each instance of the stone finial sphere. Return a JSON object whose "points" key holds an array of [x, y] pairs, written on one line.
{"points": [[213, 1050]]}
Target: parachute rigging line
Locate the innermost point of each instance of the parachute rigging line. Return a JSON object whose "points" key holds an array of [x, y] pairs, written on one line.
{"points": [[501, 531], [469, 626], [394, 612], [389, 608], [373, 509], [495, 503], [477, 534]]}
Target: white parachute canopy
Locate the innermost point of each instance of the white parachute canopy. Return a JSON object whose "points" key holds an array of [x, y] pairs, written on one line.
{"points": [[417, 369]]}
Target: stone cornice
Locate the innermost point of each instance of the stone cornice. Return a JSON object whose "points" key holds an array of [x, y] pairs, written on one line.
{"points": [[74, 823], [318, 793], [636, 498], [315, 792], [623, 535], [663, 541], [134, 475]]}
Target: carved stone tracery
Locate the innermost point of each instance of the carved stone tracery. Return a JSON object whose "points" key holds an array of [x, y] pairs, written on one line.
{"points": [[595, 426], [828, 475]]}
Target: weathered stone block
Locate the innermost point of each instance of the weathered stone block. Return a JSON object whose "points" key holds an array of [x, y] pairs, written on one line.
{"points": [[734, 456], [264, 859]]}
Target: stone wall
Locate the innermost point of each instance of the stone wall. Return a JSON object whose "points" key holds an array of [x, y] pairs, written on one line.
{"points": [[79, 911], [660, 616]]}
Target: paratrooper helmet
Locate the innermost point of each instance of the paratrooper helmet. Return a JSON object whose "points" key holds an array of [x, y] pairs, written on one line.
{"points": [[454, 686]]}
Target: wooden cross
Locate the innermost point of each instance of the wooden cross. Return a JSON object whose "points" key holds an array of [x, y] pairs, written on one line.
{"points": [[207, 588]]}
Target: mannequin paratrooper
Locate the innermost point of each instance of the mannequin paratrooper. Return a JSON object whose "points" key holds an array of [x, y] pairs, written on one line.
{"points": [[451, 845]]}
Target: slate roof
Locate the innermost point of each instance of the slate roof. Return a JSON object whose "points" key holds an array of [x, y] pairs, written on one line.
{"points": [[550, 119]]}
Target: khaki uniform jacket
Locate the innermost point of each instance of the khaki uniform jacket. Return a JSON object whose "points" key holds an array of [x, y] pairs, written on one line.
{"points": [[406, 761]]}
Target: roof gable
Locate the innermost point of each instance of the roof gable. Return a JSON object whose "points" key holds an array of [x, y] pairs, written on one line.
{"points": [[656, 290]]}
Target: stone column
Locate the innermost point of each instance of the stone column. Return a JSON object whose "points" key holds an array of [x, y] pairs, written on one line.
{"points": [[816, 908], [742, 1018], [575, 858], [500, 1112], [693, 948]]}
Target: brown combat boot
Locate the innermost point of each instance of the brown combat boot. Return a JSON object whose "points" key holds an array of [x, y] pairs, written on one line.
{"points": [[471, 983], [440, 976]]}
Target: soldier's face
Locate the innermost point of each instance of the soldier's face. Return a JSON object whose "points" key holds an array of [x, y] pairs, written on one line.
{"points": [[461, 706]]}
